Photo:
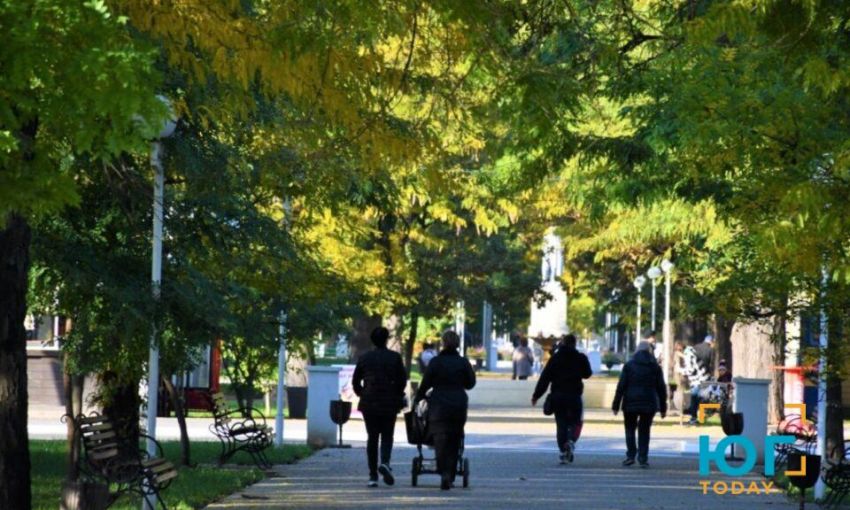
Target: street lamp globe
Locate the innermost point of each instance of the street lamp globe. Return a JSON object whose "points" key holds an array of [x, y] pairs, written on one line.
{"points": [[654, 272], [171, 122], [666, 266], [639, 282]]}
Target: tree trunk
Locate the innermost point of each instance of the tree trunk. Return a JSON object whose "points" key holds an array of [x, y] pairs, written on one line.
{"points": [[180, 412], [834, 406], [361, 339], [14, 440], [73, 386], [723, 340], [776, 406], [121, 406], [411, 341], [395, 324]]}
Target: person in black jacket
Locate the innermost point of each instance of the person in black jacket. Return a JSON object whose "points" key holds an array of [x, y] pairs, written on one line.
{"points": [[450, 375], [642, 392], [379, 380], [564, 372]]}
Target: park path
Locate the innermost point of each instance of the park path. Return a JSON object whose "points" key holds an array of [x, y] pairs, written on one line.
{"points": [[501, 479]]}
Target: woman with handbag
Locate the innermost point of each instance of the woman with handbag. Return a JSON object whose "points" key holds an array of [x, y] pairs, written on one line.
{"points": [[379, 380], [450, 375], [564, 373]]}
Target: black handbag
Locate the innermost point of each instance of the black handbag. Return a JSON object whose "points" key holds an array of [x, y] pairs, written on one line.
{"points": [[547, 405]]}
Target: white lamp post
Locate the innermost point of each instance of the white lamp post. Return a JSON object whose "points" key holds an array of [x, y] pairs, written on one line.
{"points": [[281, 376], [156, 280], [666, 335], [653, 274], [639, 283], [460, 319]]}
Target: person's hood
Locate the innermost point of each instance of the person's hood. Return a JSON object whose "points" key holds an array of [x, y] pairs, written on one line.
{"points": [[644, 358]]}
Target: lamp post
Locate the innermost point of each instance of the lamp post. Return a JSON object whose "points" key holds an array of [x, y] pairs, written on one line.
{"points": [[653, 274], [281, 375], [639, 282], [666, 335], [156, 280], [460, 319]]}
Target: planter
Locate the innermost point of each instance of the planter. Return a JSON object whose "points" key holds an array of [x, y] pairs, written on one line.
{"points": [[296, 401]]}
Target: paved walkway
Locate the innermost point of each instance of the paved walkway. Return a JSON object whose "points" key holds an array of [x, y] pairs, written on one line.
{"points": [[500, 479]]}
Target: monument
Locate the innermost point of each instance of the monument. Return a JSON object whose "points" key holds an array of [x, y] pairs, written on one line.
{"points": [[549, 320]]}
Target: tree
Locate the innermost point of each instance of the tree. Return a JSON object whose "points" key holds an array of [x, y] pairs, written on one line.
{"points": [[48, 115]]}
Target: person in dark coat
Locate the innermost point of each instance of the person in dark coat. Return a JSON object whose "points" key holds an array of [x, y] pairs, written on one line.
{"points": [[642, 393], [450, 375], [564, 372], [379, 380]]}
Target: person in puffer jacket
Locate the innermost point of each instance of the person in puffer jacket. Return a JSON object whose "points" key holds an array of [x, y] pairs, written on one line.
{"points": [[642, 393]]}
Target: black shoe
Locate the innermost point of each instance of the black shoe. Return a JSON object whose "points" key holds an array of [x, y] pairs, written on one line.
{"points": [[446, 484], [387, 473], [373, 482], [628, 462], [562, 458], [644, 464]]}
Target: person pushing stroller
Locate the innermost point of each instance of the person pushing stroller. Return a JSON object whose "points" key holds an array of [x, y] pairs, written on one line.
{"points": [[450, 375]]}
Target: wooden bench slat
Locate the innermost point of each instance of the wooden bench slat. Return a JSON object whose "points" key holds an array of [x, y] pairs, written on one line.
{"points": [[96, 427], [164, 477], [99, 436], [103, 454], [93, 419]]}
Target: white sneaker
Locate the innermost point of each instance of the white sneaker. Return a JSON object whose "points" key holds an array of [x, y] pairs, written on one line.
{"points": [[373, 483], [569, 450]]}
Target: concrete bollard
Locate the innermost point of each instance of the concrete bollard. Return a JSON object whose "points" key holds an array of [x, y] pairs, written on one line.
{"points": [[751, 396], [323, 386]]}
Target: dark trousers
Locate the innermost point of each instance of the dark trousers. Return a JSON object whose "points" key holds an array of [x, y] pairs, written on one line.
{"points": [[378, 426], [694, 409], [567, 416], [640, 422], [446, 447]]}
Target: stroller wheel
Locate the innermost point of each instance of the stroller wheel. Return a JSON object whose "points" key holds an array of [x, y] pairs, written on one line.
{"points": [[414, 471], [465, 473]]}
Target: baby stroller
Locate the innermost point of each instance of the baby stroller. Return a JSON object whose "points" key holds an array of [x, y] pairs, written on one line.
{"points": [[416, 423]]}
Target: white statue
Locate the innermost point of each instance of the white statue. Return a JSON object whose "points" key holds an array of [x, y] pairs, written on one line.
{"points": [[550, 320]]}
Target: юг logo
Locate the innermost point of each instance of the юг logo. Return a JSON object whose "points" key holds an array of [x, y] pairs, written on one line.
{"points": [[718, 456]]}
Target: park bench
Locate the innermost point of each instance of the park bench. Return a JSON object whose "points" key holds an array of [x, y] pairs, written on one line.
{"points": [[118, 465], [836, 476], [240, 430], [805, 433]]}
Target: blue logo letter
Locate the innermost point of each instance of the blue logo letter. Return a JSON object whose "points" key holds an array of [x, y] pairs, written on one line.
{"points": [[719, 456], [769, 443]]}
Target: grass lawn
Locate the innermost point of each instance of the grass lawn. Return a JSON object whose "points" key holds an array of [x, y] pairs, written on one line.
{"points": [[193, 488]]}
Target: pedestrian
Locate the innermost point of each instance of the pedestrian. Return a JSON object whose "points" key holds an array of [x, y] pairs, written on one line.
{"points": [[379, 380], [696, 375], [564, 373], [641, 393], [523, 360], [450, 375], [428, 354], [705, 354], [680, 380], [724, 375]]}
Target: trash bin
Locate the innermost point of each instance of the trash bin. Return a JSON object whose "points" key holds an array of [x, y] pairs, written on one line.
{"points": [[296, 401]]}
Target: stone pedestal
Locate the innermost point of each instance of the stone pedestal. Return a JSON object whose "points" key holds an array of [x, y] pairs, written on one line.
{"points": [[322, 387], [595, 359], [751, 397]]}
